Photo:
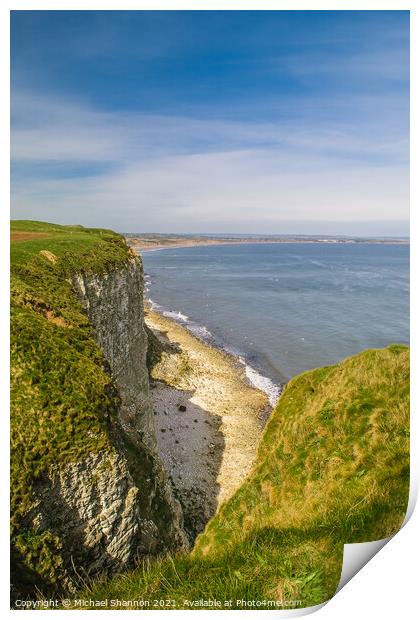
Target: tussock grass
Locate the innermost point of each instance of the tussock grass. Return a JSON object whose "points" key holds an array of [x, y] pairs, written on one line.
{"points": [[332, 468]]}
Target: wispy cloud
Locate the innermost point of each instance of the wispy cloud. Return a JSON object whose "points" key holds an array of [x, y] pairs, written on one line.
{"points": [[377, 66], [218, 120], [198, 171], [48, 129]]}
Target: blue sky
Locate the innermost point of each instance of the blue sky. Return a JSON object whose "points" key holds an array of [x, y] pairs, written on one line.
{"points": [[212, 121]]}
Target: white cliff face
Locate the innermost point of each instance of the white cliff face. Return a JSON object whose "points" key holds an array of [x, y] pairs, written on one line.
{"points": [[112, 507], [114, 304]]}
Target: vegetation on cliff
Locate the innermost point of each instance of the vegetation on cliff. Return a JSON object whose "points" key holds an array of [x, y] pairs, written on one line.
{"points": [[62, 396], [332, 465], [332, 468]]}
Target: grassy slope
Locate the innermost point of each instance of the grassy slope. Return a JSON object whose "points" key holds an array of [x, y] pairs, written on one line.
{"points": [[61, 393], [332, 467]]}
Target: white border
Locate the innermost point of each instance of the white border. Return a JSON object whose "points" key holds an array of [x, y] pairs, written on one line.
{"points": [[387, 586]]}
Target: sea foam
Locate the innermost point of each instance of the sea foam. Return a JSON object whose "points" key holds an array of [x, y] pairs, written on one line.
{"points": [[177, 316], [200, 331], [255, 379], [261, 382]]}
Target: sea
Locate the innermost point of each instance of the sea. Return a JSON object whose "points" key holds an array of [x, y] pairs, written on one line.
{"points": [[284, 308]]}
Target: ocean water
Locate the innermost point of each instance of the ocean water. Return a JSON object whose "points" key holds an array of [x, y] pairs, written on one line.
{"points": [[285, 308]]}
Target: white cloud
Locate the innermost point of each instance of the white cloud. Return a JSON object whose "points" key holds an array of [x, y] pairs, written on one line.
{"points": [[185, 174]]}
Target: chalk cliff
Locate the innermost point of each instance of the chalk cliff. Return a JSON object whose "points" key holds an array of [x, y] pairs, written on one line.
{"points": [[112, 504], [114, 304]]}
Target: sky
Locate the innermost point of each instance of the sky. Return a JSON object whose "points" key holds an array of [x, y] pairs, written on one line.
{"points": [[282, 122]]}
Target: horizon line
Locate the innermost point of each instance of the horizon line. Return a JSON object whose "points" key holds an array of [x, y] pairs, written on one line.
{"points": [[265, 235]]}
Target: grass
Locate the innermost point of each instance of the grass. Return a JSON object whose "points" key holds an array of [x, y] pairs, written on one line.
{"points": [[332, 468], [62, 396]]}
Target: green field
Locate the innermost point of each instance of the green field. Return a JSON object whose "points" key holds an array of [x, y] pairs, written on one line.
{"points": [[61, 394], [332, 468]]}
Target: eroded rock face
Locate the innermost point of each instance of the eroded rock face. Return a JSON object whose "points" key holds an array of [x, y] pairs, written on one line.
{"points": [[112, 507], [109, 509], [94, 504], [114, 303]]}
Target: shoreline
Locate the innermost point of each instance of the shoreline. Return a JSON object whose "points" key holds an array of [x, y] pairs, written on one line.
{"points": [[208, 418], [200, 331], [146, 247]]}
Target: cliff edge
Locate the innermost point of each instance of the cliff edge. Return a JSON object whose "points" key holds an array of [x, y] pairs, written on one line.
{"points": [[88, 491]]}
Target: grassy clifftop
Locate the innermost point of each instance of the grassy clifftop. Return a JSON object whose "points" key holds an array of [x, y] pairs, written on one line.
{"points": [[332, 468], [61, 395]]}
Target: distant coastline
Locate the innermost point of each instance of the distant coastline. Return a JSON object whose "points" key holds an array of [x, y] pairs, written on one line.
{"points": [[144, 241]]}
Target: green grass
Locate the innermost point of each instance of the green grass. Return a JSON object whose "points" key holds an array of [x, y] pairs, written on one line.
{"points": [[61, 393], [81, 249], [332, 468]]}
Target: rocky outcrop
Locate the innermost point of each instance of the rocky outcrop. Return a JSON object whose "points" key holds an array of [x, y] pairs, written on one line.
{"points": [[108, 510]]}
